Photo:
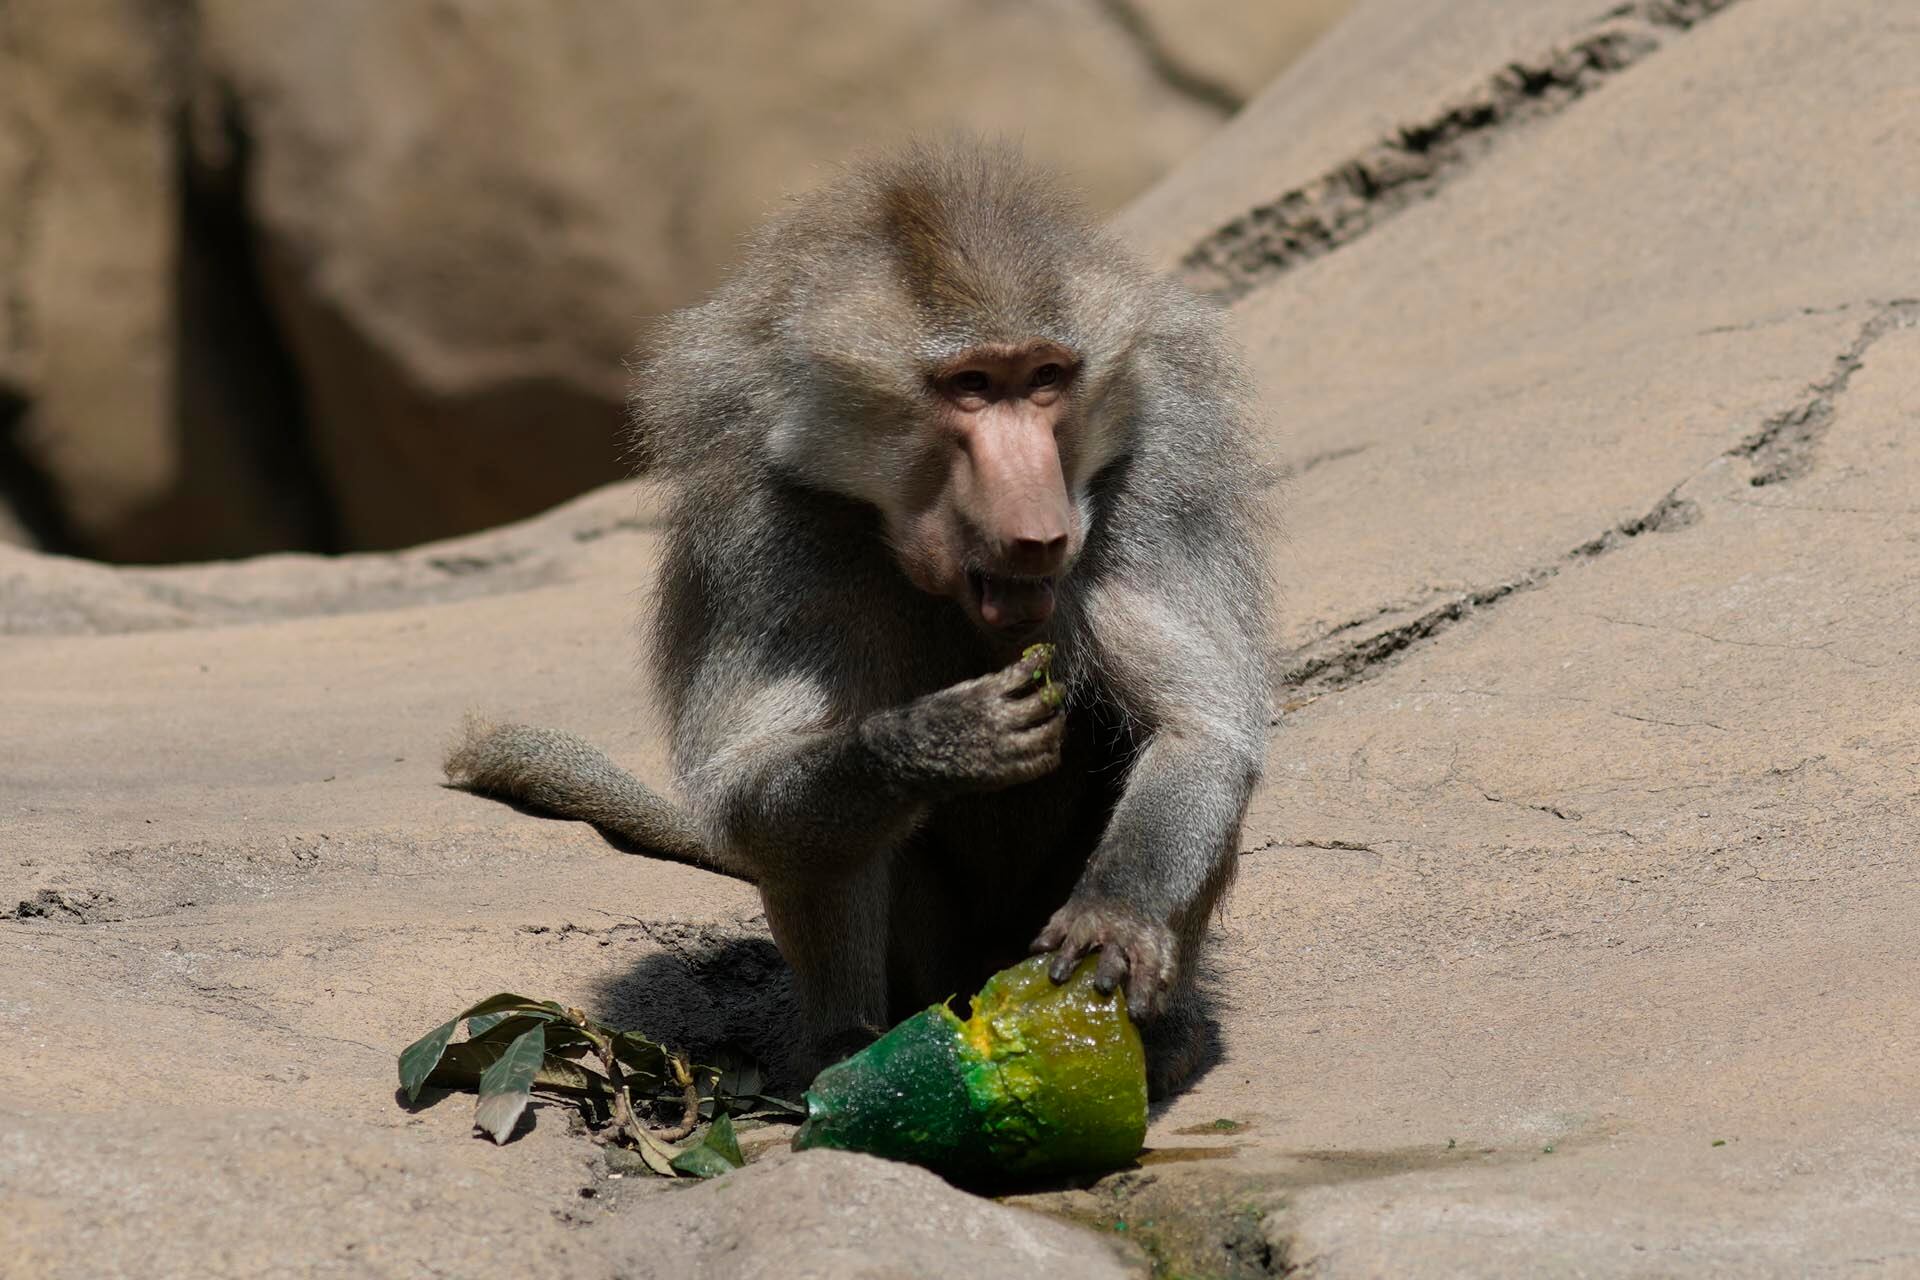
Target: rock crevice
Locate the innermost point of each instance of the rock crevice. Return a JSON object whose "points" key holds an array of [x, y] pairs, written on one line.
{"points": [[1780, 450], [1420, 157]]}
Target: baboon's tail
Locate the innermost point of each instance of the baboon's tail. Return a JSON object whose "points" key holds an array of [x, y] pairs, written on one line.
{"points": [[569, 777]]}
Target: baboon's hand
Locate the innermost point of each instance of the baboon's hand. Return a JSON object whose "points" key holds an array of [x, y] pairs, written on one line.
{"points": [[978, 735], [1133, 949]]}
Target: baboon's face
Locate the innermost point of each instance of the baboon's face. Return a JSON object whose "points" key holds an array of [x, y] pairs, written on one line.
{"points": [[986, 518]]}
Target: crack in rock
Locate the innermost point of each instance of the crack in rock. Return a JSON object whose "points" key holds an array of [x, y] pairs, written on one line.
{"points": [[1780, 450], [1195, 86], [1321, 459], [1412, 165], [1565, 815]]}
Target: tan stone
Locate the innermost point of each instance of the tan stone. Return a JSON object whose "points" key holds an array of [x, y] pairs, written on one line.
{"points": [[1573, 934], [281, 276], [471, 209]]}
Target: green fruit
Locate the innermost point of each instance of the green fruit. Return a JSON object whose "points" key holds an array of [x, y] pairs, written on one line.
{"points": [[1042, 1079]]}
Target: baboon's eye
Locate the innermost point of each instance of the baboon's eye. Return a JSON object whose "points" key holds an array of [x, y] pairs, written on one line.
{"points": [[1046, 375], [971, 382]]}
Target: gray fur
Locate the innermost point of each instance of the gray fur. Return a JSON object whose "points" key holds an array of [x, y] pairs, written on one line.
{"points": [[564, 774], [855, 746]]}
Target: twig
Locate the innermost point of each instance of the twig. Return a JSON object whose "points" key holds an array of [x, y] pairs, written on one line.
{"points": [[626, 1120], [690, 1119]]}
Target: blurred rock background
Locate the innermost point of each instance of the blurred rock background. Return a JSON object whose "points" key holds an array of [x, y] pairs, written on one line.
{"points": [[330, 275]]}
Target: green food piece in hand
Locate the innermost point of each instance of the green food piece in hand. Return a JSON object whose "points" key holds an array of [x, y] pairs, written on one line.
{"points": [[1042, 1079], [1050, 693]]}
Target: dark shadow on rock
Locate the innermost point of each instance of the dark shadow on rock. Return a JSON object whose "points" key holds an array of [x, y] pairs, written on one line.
{"points": [[715, 989], [250, 474], [430, 1097], [1203, 1050], [718, 991], [721, 989], [25, 489]]}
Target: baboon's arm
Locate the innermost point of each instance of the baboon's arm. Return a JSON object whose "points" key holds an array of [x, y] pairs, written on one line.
{"points": [[1192, 685], [788, 798]]}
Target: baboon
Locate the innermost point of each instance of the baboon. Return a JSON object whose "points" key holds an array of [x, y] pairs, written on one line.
{"points": [[937, 416]]}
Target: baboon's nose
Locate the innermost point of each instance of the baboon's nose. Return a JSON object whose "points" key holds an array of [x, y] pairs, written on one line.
{"points": [[1036, 557]]}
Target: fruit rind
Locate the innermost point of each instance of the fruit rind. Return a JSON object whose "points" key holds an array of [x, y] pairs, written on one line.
{"points": [[1041, 1079]]}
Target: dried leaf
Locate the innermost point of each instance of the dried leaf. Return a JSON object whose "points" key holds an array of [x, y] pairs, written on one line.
{"points": [[570, 1077], [658, 1155]]}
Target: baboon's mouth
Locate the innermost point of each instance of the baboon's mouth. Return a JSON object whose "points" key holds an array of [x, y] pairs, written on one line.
{"points": [[1011, 604]]}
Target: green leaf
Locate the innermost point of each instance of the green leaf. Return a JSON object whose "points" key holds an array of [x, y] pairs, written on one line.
{"points": [[560, 1035], [735, 1076], [717, 1153], [730, 1085], [505, 1086], [728, 1079], [641, 1058], [746, 1106], [503, 1027], [480, 1026], [701, 1162], [508, 1002], [418, 1059], [722, 1139], [463, 1064]]}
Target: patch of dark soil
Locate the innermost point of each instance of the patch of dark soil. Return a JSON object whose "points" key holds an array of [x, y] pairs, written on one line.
{"points": [[1211, 1217], [1185, 1229], [73, 906], [1217, 1128]]}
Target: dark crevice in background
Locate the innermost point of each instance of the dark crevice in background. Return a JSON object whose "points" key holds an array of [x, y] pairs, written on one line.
{"points": [[1414, 162], [1781, 450], [27, 491], [240, 400], [1195, 86]]}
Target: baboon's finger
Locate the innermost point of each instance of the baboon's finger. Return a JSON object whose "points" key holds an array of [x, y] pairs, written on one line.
{"points": [[1042, 740], [1032, 708], [1028, 672], [1112, 969]]}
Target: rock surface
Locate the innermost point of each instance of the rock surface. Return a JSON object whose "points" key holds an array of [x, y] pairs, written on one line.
{"points": [[1574, 927], [284, 276]]}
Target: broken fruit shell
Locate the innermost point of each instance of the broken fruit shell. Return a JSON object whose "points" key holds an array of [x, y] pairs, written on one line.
{"points": [[1041, 1080]]}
